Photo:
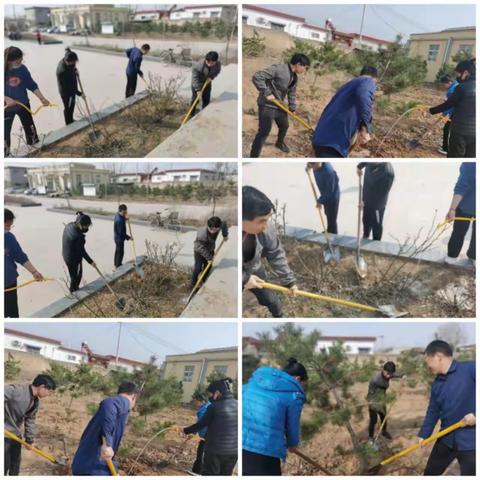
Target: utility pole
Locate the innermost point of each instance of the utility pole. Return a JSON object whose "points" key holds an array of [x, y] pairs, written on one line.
{"points": [[361, 25], [118, 343]]}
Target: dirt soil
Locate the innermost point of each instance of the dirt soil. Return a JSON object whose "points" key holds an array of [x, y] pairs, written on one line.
{"points": [[313, 96], [161, 293], [421, 289], [403, 424], [133, 132]]}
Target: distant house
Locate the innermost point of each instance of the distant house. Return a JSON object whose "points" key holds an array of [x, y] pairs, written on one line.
{"points": [[150, 16], [185, 175], [15, 176], [353, 345], [200, 13], [37, 16], [370, 43], [128, 178]]}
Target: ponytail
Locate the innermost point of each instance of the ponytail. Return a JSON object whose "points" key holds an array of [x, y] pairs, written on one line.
{"points": [[295, 369], [70, 56], [10, 55]]}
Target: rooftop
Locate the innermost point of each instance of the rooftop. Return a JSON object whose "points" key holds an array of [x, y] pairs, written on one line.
{"points": [[268, 11]]}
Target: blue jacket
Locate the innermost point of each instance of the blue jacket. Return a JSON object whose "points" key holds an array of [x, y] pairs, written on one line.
{"points": [[465, 186], [451, 398], [135, 57], [349, 109], [109, 422], [326, 179], [272, 405], [200, 413], [450, 90], [120, 228], [17, 82], [13, 255]]}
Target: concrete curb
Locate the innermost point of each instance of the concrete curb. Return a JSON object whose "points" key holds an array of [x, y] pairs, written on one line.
{"points": [[56, 309], [371, 246]]}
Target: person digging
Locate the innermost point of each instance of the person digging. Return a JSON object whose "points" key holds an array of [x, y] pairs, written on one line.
{"points": [[21, 404], [101, 438], [204, 246], [260, 240], [376, 397], [133, 71], [13, 254], [221, 421], [201, 403], [207, 69], [452, 399], [276, 82], [73, 249], [120, 234], [378, 181], [347, 119]]}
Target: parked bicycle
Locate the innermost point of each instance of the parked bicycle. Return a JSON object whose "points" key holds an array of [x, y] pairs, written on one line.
{"points": [[166, 219]]}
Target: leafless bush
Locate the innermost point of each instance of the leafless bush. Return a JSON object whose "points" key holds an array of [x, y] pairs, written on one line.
{"points": [[163, 255]]}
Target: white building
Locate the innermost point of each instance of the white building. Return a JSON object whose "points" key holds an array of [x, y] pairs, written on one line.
{"points": [[185, 176], [352, 345], [147, 16], [128, 178], [203, 12], [266, 18], [369, 43]]}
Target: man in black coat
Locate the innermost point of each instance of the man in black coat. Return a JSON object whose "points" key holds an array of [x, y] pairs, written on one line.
{"points": [[376, 187]]}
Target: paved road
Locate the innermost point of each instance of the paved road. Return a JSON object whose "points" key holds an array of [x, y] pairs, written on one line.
{"points": [[419, 189]]}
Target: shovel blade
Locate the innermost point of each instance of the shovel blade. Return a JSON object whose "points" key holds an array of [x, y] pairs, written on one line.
{"points": [[120, 304], [413, 144], [374, 470], [94, 135], [331, 255], [361, 266], [140, 271], [391, 311]]}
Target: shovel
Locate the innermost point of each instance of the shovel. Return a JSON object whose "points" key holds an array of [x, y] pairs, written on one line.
{"points": [[387, 310], [292, 114], [310, 461], [360, 263], [194, 104], [121, 302], [417, 142], [375, 469], [138, 269], [43, 454], [29, 283], [333, 253], [94, 134], [456, 219]]}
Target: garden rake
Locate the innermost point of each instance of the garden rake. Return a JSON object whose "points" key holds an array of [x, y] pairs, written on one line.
{"points": [[332, 253], [360, 263], [194, 104], [50, 458], [120, 301], [138, 269], [376, 468], [386, 310]]}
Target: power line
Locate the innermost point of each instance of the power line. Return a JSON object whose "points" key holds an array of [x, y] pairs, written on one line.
{"points": [[149, 335], [385, 21]]}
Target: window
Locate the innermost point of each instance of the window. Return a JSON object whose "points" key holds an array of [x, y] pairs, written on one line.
{"points": [[188, 373], [315, 35], [277, 26], [468, 49], [72, 358], [244, 19], [32, 348], [196, 14], [220, 369], [364, 350], [261, 21], [433, 52], [214, 14]]}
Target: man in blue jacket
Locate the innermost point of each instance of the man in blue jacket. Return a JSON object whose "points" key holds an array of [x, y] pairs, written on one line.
{"points": [[13, 254], [135, 57], [450, 85], [101, 439], [347, 119], [120, 234], [201, 403], [452, 399], [463, 205], [326, 179]]}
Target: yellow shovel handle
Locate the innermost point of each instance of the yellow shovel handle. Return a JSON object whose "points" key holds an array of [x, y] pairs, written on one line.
{"points": [[456, 219], [194, 104], [428, 440], [325, 233], [316, 296], [293, 115], [111, 468], [43, 454], [28, 283], [32, 112], [207, 266]]}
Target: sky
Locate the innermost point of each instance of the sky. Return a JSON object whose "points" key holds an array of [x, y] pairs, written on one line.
{"points": [[392, 334], [138, 341], [384, 21]]}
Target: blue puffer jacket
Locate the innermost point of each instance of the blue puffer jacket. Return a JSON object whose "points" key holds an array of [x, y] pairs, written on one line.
{"points": [[465, 187], [200, 413], [272, 405]]}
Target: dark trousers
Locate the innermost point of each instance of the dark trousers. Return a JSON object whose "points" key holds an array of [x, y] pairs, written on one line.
{"points": [[268, 298], [197, 466], [68, 108], [215, 465], [28, 125], [373, 222], [442, 456], [119, 253], [446, 136], [374, 416], [199, 265], [75, 270], [131, 85], [331, 212], [205, 98], [457, 238], [325, 152], [10, 302], [261, 465], [12, 457], [266, 117], [461, 146]]}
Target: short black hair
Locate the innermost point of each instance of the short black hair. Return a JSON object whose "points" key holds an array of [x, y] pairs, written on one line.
{"points": [[223, 386], [212, 56], [122, 208], [295, 369], [300, 58], [446, 79], [201, 397], [44, 380], [255, 203], [84, 220], [8, 216], [390, 367], [466, 65], [214, 222], [369, 70], [438, 346], [129, 388], [145, 46]]}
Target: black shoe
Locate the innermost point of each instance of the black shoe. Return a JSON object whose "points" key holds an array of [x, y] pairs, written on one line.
{"points": [[283, 147], [387, 435]]}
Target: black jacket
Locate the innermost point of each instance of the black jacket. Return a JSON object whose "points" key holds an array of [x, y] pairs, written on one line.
{"points": [[462, 100], [67, 80], [204, 244], [73, 245], [221, 418], [377, 183]]}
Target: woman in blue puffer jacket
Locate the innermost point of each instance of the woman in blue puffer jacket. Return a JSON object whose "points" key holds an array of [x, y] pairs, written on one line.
{"points": [[272, 405]]}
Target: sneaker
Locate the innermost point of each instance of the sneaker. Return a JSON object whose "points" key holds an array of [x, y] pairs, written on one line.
{"points": [[386, 435], [283, 147], [451, 261], [442, 151]]}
